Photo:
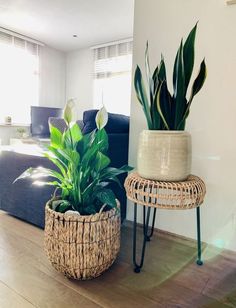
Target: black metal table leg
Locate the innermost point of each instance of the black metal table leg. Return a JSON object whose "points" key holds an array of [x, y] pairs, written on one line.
{"points": [[137, 267], [199, 248], [153, 223]]}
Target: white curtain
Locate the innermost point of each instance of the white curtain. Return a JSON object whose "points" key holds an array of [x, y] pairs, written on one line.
{"points": [[19, 77], [112, 77]]}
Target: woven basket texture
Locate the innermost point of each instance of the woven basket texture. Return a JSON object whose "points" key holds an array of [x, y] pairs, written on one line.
{"points": [[166, 195], [81, 247]]}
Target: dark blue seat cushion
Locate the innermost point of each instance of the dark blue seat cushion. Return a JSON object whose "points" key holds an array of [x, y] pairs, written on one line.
{"points": [[117, 123]]}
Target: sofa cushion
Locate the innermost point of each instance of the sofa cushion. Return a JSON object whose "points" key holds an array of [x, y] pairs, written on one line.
{"points": [[117, 123]]}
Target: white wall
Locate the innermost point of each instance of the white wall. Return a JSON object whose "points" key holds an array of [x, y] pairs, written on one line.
{"points": [[52, 85], [52, 77], [212, 119], [79, 79], [7, 132]]}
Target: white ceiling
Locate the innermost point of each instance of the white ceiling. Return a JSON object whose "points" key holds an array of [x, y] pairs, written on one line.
{"points": [[54, 22]]}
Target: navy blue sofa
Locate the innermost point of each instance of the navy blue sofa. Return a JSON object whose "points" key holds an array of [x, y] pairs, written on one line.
{"points": [[27, 201]]}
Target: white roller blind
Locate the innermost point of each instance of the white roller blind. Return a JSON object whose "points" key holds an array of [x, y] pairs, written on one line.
{"points": [[17, 42], [19, 77], [112, 77]]}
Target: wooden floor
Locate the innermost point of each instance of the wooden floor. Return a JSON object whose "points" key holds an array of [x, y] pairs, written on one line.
{"points": [[170, 277]]}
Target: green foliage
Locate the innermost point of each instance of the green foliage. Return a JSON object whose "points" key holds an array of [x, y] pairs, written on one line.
{"points": [[83, 173], [162, 110]]}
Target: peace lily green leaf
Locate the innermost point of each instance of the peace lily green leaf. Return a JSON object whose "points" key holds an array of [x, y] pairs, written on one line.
{"points": [[107, 196], [26, 174], [101, 161], [55, 136], [80, 171]]}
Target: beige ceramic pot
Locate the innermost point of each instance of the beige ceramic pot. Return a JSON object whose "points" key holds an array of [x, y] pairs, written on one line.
{"points": [[164, 155]]}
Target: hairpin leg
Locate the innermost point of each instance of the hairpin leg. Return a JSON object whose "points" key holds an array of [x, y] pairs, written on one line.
{"points": [[153, 222], [146, 221], [199, 249]]}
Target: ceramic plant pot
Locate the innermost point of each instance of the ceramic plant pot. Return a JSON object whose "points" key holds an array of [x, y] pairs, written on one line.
{"points": [[164, 155]]}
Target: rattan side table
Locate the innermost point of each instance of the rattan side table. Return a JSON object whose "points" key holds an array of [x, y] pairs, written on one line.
{"points": [[164, 195]]}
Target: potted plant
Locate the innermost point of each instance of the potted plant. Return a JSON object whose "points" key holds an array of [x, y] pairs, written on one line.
{"points": [[165, 148], [82, 224], [22, 132]]}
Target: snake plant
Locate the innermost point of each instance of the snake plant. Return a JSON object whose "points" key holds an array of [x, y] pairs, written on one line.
{"points": [[162, 110]]}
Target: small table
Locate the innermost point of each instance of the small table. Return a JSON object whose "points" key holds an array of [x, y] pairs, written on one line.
{"points": [[164, 195]]}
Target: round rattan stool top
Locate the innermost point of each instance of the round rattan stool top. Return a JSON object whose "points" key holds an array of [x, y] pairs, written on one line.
{"points": [[166, 195]]}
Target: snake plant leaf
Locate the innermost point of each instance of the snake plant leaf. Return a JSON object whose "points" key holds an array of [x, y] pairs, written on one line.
{"points": [[179, 91], [166, 105], [175, 69], [155, 79], [163, 111], [142, 95], [162, 70], [197, 85], [148, 72], [189, 55], [156, 118], [162, 104], [199, 81]]}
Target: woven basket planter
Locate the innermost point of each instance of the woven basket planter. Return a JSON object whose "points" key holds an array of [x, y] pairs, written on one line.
{"points": [[82, 247]]}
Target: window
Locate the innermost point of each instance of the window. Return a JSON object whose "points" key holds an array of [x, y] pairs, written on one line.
{"points": [[19, 77], [112, 77]]}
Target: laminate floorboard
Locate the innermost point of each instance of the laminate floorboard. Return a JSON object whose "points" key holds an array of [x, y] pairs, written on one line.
{"points": [[170, 277]]}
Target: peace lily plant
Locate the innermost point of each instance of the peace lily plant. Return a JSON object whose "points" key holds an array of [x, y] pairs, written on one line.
{"points": [[82, 225], [82, 171], [165, 148]]}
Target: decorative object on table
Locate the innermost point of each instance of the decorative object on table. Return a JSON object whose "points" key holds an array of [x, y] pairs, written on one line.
{"points": [[164, 195], [82, 224], [230, 2], [22, 132], [164, 151], [8, 120]]}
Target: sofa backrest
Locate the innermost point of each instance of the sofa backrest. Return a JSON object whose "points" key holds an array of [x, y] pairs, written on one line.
{"points": [[117, 123], [61, 124]]}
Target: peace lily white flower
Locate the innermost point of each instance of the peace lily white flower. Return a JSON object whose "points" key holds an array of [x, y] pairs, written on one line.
{"points": [[68, 111], [101, 118]]}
